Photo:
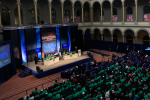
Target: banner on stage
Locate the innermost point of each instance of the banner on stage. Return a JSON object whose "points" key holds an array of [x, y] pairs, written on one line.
{"points": [[49, 42]]}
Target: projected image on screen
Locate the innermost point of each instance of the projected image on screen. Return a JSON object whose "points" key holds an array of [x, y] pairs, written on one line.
{"points": [[5, 58], [49, 42]]}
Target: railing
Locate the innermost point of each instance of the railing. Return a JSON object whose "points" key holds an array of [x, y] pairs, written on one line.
{"points": [[30, 89]]}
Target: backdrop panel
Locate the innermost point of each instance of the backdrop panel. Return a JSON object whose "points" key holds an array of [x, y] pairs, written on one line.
{"points": [[31, 43], [74, 37], [16, 42], [48, 37], [38, 41], [58, 39], [23, 46], [63, 37]]}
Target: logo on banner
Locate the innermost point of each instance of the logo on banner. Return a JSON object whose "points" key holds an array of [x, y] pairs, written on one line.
{"points": [[146, 17], [103, 18], [67, 19], [115, 18], [48, 38], [78, 19], [129, 18]]}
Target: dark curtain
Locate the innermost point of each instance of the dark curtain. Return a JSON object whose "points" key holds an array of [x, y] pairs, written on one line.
{"points": [[79, 39], [104, 45], [87, 39], [9, 70]]}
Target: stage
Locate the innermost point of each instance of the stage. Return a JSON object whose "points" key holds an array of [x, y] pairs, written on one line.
{"points": [[32, 64], [57, 67]]}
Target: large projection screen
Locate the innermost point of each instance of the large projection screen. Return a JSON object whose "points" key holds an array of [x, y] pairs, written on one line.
{"points": [[5, 57]]}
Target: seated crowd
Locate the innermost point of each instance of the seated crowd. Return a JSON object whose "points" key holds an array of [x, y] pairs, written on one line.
{"points": [[124, 78]]}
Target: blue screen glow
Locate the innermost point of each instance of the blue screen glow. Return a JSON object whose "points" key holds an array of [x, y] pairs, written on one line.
{"points": [[69, 39], [38, 37], [58, 38], [65, 45], [5, 57], [148, 48], [23, 46]]}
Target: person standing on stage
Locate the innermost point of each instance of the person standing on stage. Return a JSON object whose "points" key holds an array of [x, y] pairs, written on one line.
{"points": [[74, 45], [36, 59], [134, 50], [117, 48], [128, 49]]}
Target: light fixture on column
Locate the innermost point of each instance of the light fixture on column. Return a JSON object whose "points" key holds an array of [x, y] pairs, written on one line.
{"points": [[149, 1]]}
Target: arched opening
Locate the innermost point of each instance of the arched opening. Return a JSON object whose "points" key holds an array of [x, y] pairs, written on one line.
{"points": [[106, 35], [146, 40], [115, 15], [118, 33], [107, 11], [141, 40], [53, 15], [68, 11], [115, 38], [129, 5], [129, 14], [56, 5], [142, 4], [97, 35], [78, 11], [147, 13], [67, 15], [16, 16], [118, 8], [86, 12], [32, 16], [5, 15], [129, 39], [96, 9]]}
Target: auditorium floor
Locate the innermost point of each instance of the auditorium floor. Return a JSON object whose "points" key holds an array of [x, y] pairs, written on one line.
{"points": [[16, 84]]}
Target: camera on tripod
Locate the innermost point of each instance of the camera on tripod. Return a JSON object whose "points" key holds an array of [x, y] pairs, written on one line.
{"points": [[113, 56]]}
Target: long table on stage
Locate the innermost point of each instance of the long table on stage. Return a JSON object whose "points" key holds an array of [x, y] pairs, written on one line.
{"points": [[70, 56], [50, 62]]}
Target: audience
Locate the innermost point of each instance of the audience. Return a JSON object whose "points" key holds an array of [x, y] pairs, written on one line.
{"points": [[124, 78]]}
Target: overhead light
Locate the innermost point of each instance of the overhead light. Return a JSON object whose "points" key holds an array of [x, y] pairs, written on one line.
{"points": [[9, 11]]}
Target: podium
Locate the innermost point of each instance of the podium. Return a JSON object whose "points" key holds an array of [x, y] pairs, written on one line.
{"points": [[79, 52]]}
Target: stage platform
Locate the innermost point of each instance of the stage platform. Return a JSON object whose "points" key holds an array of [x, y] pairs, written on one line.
{"points": [[57, 67]]}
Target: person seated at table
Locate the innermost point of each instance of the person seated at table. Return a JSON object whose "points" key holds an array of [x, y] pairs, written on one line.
{"points": [[64, 53], [52, 56], [67, 53], [70, 52]]}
